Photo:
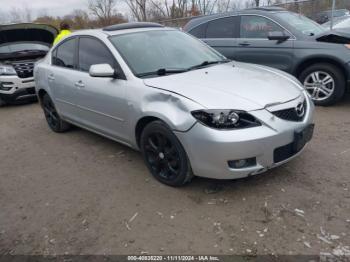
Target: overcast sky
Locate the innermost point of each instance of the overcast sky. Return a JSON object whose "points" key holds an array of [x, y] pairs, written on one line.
{"points": [[51, 7]]}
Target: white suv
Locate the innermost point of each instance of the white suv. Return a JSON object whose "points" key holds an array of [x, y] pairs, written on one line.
{"points": [[21, 46]]}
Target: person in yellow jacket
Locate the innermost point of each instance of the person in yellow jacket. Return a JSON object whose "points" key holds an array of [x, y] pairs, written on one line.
{"points": [[64, 31]]}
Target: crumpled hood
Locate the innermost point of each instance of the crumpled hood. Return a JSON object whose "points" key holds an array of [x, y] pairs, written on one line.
{"points": [[337, 36], [232, 86], [27, 32]]}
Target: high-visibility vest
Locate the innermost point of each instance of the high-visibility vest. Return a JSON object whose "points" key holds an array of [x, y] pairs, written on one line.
{"points": [[62, 34]]}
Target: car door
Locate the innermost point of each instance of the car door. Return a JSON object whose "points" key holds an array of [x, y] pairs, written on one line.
{"points": [[221, 34], [255, 47], [101, 100], [61, 79]]}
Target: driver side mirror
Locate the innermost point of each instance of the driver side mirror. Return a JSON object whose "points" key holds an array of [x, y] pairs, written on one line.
{"points": [[102, 70], [278, 36]]}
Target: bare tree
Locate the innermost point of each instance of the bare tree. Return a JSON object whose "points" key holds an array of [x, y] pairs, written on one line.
{"points": [[15, 15], [171, 9], [206, 7], [223, 6], [138, 9], [80, 19], [27, 14], [104, 10]]}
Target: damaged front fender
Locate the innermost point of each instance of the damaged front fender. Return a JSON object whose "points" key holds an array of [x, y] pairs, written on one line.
{"points": [[173, 109]]}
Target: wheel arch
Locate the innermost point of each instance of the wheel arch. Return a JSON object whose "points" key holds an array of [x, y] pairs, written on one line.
{"points": [[141, 124], [41, 94], [319, 60]]}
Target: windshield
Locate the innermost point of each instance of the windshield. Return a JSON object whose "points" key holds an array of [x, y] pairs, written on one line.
{"points": [[11, 48], [165, 50], [301, 23]]}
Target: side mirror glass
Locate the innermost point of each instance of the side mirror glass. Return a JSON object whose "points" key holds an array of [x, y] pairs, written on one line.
{"points": [[102, 70], [278, 36]]}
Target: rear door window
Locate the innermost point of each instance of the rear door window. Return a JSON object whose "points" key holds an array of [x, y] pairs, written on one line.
{"points": [[257, 27], [64, 54], [227, 27], [93, 52]]}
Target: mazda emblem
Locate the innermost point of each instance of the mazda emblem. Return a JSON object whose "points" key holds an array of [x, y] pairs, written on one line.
{"points": [[300, 110]]}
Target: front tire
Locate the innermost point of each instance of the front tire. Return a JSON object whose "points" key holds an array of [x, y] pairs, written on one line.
{"points": [[164, 155], [52, 117], [324, 82], [2, 103]]}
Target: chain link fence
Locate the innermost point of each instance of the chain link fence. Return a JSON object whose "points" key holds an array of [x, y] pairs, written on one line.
{"points": [[318, 10]]}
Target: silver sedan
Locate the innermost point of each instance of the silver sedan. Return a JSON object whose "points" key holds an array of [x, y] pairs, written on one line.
{"points": [[188, 109]]}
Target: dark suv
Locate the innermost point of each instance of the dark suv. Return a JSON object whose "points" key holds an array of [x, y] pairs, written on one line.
{"points": [[274, 37]]}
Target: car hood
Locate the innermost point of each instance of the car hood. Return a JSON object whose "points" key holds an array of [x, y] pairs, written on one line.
{"points": [[238, 86], [27, 32], [337, 36]]}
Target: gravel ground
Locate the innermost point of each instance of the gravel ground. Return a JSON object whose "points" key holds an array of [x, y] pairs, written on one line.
{"points": [[78, 193]]}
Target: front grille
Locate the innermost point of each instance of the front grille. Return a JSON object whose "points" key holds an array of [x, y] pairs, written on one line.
{"points": [[291, 114], [24, 69], [284, 152]]}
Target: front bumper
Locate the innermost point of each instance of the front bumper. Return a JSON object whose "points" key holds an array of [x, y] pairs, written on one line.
{"points": [[209, 150], [13, 88]]}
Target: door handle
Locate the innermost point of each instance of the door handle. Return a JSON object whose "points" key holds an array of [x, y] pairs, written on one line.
{"points": [[51, 77], [244, 44], [79, 84]]}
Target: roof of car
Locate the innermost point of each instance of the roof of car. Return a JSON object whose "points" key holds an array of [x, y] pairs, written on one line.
{"points": [[134, 25], [258, 11], [120, 29]]}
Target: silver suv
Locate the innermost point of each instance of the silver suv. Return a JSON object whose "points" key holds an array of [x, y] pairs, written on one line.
{"points": [[21, 46], [186, 107]]}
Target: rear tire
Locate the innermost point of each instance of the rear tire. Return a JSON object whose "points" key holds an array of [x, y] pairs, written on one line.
{"points": [[325, 83], [52, 117], [164, 155]]}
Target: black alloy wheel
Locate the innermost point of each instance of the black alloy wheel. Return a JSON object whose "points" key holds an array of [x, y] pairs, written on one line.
{"points": [[164, 155], [53, 119]]}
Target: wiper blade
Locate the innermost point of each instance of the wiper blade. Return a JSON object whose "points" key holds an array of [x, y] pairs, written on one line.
{"points": [[162, 72], [206, 63]]}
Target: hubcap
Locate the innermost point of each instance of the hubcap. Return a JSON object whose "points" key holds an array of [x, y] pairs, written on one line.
{"points": [[320, 85], [162, 156]]}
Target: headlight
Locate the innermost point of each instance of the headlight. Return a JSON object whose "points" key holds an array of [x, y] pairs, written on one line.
{"points": [[225, 119], [7, 70]]}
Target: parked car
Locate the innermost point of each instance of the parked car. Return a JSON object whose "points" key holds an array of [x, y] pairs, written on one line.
{"points": [[325, 16], [21, 45], [342, 23], [186, 107], [284, 40]]}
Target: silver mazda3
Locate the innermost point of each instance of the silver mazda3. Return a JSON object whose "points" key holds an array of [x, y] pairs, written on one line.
{"points": [[188, 109]]}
